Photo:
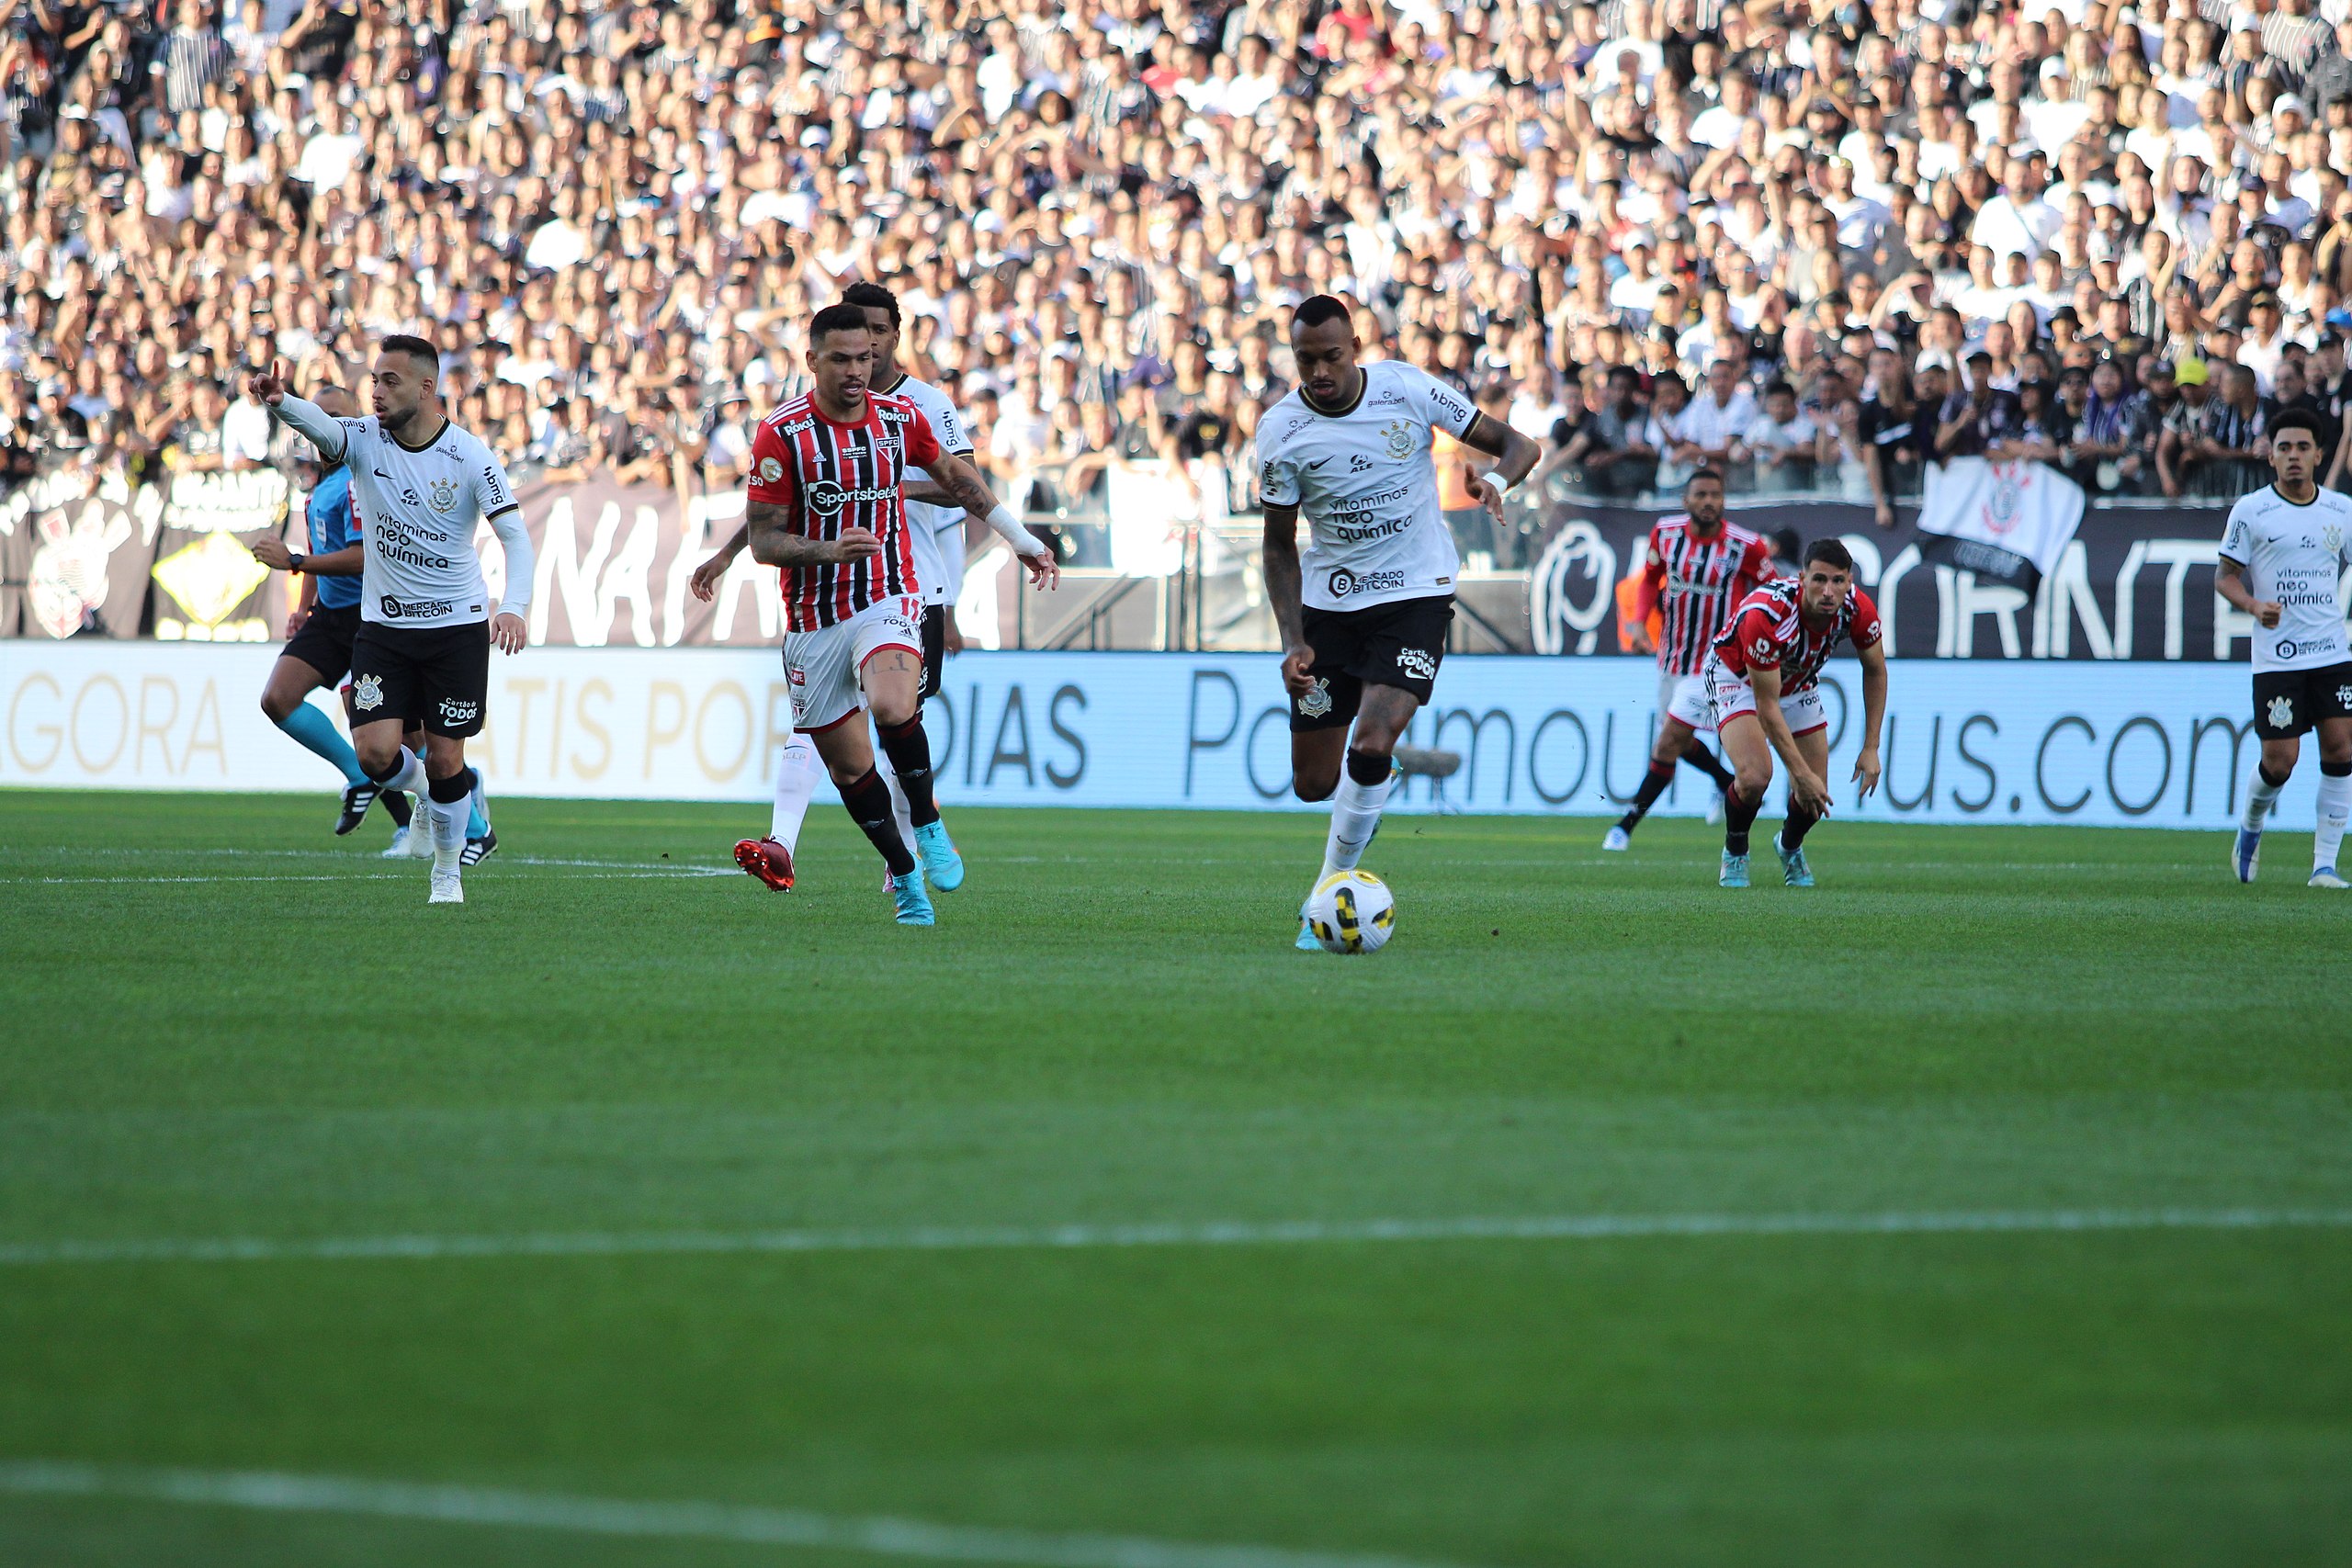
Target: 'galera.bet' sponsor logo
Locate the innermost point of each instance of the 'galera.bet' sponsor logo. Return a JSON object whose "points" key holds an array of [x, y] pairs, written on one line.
{"points": [[1342, 582]]}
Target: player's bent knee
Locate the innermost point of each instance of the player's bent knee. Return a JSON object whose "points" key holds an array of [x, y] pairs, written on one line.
{"points": [[1314, 790]]}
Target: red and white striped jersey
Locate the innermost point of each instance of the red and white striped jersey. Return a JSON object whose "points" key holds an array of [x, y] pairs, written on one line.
{"points": [[1766, 632], [1694, 582], [842, 476]]}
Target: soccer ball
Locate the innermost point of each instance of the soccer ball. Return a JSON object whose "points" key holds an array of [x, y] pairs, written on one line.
{"points": [[1352, 911]]}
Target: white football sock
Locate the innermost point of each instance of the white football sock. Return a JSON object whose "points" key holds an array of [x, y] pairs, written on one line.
{"points": [[796, 773], [2259, 797], [899, 806], [2335, 805], [411, 779], [448, 832], [1355, 813]]}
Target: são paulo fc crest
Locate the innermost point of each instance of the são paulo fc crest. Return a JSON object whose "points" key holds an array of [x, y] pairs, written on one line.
{"points": [[444, 494], [1316, 703], [367, 693], [2282, 712]]}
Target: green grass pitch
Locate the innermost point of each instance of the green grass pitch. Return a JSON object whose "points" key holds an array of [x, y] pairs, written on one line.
{"points": [[222, 1023]]}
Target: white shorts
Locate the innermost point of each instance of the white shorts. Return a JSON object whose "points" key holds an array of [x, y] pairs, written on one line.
{"points": [[1685, 697], [1731, 695], [823, 665]]}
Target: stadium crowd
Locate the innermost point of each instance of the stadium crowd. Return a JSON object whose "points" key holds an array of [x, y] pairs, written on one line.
{"points": [[1816, 243]]}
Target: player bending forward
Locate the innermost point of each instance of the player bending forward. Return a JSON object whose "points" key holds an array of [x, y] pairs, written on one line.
{"points": [[2282, 560], [825, 504], [1763, 679], [1698, 567], [935, 538], [427, 629], [1363, 617]]}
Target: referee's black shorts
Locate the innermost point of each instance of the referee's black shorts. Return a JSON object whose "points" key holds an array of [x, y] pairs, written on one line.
{"points": [[324, 638]]}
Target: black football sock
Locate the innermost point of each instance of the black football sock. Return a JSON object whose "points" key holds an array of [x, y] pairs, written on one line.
{"points": [[908, 749], [1707, 763], [1739, 815], [1654, 785], [1798, 823], [397, 805], [455, 788], [869, 804]]}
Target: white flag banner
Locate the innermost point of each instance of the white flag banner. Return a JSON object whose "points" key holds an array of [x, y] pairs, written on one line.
{"points": [[2009, 521]]}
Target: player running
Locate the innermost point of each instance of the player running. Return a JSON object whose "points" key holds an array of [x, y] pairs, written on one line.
{"points": [[320, 631], [1363, 617], [1763, 679], [935, 532], [1698, 567], [2281, 559], [427, 629], [824, 503]]}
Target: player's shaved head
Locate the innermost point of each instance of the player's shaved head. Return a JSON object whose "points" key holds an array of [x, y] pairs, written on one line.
{"points": [[1323, 341]]}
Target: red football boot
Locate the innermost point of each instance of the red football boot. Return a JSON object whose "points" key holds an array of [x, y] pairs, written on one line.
{"points": [[767, 859]]}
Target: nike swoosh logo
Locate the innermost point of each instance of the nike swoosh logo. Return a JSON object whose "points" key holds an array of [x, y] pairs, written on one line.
{"points": [[380, 473], [1317, 463]]}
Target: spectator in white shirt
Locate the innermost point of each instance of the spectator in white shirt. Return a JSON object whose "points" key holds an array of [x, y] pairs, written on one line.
{"points": [[244, 434], [2019, 221], [560, 242], [328, 155], [1720, 414]]}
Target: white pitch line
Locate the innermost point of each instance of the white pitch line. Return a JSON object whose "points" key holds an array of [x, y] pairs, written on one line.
{"points": [[272, 1491], [665, 874], [1215, 1233]]}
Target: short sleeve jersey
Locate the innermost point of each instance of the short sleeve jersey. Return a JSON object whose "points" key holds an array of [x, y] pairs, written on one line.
{"points": [[421, 506], [2294, 556], [1768, 633], [929, 526], [1364, 480], [1697, 580], [831, 477], [328, 517]]}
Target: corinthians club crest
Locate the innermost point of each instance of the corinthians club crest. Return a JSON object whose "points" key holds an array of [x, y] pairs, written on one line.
{"points": [[443, 495], [1316, 703], [367, 693], [1398, 434], [2282, 712]]}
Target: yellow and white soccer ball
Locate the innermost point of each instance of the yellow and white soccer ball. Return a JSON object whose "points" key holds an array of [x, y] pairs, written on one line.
{"points": [[1352, 911]]}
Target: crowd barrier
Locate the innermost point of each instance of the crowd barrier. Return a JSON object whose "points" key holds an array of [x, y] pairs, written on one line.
{"points": [[86, 559], [2084, 742]]}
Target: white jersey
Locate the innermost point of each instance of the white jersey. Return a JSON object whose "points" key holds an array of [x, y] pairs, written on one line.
{"points": [[928, 526], [2294, 556], [417, 510], [1366, 483]]}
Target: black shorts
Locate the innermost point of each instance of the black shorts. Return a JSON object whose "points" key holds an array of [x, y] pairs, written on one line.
{"points": [[935, 646], [324, 641], [1397, 644], [2287, 702], [437, 675]]}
